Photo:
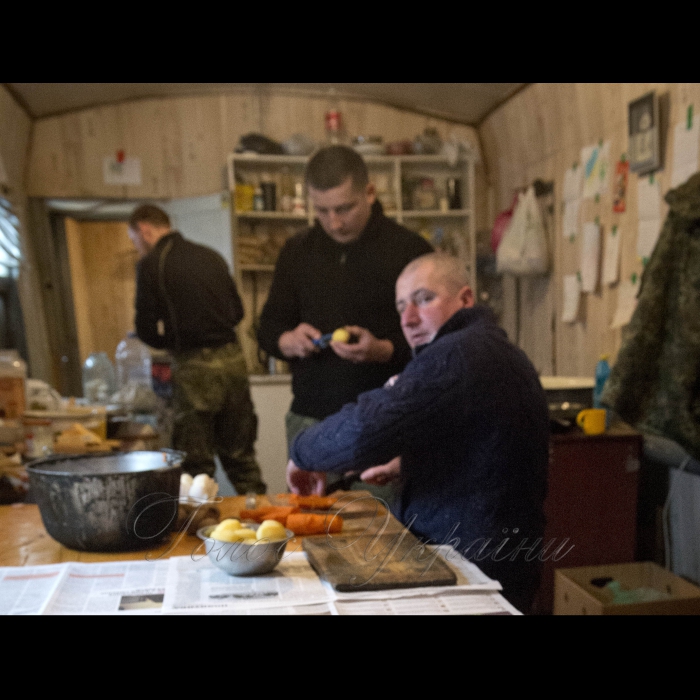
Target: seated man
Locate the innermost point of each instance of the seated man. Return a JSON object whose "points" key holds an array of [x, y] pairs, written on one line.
{"points": [[468, 419]]}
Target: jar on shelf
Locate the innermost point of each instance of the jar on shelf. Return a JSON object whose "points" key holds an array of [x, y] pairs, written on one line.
{"points": [[298, 204], [425, 195]]}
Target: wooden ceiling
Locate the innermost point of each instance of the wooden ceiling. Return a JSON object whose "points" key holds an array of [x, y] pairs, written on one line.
{"points": [[464, 103]]}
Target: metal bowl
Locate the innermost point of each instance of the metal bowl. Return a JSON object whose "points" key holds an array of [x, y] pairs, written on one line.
{"points": [[241, 559], [108, 502]]}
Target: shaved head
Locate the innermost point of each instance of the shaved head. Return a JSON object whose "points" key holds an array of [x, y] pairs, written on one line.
{"points": [[447, 269]]}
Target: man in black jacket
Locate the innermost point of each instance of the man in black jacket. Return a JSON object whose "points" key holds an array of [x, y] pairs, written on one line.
{"points": [[187, 303], [339, 273]]}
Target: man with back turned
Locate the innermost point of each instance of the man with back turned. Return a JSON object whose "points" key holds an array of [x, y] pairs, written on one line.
{"points": [[187, 303]]}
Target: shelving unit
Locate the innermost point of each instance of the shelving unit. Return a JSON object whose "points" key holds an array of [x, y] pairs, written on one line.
{"points": [[259, 235]]}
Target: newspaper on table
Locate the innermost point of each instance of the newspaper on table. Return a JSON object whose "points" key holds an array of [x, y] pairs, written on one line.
{"points": [[195, 585], [456, 603], [73, 588]]}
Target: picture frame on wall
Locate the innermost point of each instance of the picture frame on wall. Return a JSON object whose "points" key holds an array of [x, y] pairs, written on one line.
{"points": [[644, 134]]}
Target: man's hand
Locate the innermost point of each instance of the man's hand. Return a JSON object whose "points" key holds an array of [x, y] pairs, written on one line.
{"points": [[367, 348], [305, 483], [382, 474], [298, 342]]}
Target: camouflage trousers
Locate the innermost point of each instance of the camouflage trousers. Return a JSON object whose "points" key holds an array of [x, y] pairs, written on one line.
{"points": [[214, 415]]}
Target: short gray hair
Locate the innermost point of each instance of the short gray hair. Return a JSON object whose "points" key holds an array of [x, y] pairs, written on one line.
{"points": [[451, 271]]}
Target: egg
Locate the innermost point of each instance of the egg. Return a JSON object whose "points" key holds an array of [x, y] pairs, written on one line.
{"points": [[185, 485], [203, 487]]}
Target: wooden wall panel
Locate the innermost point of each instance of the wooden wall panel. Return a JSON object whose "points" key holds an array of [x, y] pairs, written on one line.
{"points": [[539, 133], [183, 142]]}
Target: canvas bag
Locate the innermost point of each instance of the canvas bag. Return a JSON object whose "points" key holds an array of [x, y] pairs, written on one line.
{"points": [[523, 248]]}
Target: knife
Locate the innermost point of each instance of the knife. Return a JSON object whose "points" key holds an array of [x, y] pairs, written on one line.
{"points": [[346, 481], [323, 341]]}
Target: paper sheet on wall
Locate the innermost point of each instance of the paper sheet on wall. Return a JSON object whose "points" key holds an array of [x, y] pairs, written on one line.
{"points": [[649, 217], [611, 261], [647, 236], [573, 183], [685, 151], [128, 172], [570, 226], [590, 257], [572, 295], [626, 302], [596, 169], [648, 198]]}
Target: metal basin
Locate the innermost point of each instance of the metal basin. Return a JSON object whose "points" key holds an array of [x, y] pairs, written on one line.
{"points": [[107, 503]]}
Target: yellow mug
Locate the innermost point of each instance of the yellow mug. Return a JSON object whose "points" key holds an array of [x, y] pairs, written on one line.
{"points": [[592, 420]]}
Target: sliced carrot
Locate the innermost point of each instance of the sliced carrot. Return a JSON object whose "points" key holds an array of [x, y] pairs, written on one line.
{"points": [[314, 523], [313, 502], [278, 513]]}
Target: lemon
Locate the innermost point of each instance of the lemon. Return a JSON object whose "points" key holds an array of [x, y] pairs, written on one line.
{"points": [[271, 530], [340, 335]]}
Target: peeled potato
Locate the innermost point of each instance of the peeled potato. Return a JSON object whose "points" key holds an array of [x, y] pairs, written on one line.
{"points": [[340, 335], [242, 535], [229, 524], [271, 530]]}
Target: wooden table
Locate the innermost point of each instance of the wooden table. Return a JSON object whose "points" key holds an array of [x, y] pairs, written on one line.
{"points": [[25, 541]]}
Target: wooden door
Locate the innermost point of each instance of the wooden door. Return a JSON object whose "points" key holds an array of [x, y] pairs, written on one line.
{"points": [[103, 279]]}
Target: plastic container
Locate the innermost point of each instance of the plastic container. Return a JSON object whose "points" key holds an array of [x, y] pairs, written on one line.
{"points": [[13, 385], [38, 437], [133, 360], [602, 372], [99, 379]]}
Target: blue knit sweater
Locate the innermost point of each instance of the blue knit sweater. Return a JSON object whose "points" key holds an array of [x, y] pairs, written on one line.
{"points": [[469, 418]]}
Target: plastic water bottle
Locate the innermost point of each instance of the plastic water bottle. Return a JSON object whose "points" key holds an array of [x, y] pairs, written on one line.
{"points": [[602, 372], [98, 378], [133, 362]]}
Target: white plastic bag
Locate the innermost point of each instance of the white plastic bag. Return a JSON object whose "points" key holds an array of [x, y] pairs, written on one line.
{"points": [[523, 248]]}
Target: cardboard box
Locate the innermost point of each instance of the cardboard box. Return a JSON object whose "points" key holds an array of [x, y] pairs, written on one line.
{"points": [[576, 592]]}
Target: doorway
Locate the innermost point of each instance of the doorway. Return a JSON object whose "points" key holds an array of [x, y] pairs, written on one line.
{"points": [[102, 262]]}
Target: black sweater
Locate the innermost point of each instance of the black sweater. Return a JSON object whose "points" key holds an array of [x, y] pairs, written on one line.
{"points": [[195, 298], [329, 285]]}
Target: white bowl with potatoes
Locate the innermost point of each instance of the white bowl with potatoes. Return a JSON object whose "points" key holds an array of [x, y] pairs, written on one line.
{"points": [[241, 549]]}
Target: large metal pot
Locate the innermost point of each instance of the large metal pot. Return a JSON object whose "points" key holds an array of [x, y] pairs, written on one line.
{"points": [[110, 502]]}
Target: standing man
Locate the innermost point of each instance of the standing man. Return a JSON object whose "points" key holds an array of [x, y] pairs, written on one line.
{"points": [[339, 273], [187, 303], [469, 419]]}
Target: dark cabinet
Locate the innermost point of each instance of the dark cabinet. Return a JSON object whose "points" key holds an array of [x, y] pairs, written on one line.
{"points": [[591, 504]]}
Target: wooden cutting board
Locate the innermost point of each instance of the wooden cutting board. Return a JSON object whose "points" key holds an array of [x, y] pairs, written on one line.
{"points": [[377, 562]]}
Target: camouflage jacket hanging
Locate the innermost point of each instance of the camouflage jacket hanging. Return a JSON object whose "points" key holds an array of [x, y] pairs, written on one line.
{"points": [[655, 383]]}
